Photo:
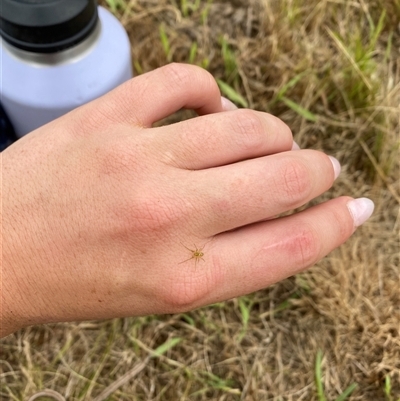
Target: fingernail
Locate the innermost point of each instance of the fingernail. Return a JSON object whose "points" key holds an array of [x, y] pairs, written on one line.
{"points": [[227, 105], [295, 146], [336, 166], [361, 210]]}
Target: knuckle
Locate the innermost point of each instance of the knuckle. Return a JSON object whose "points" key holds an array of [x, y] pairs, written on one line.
{"points": [[115, 159], [176, 76], [85, 120], [295, 183], [249, 127], [188, 290], [206, 80], [182, 294], [281, 129], [344, 225], [183, 76], [176, 70], [303, 246]]}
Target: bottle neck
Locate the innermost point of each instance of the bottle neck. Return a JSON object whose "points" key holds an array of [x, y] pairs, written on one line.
{"points": [[72, 54]]}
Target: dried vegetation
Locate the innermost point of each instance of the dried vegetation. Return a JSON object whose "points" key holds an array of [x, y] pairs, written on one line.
{"points": [[331, 70]]}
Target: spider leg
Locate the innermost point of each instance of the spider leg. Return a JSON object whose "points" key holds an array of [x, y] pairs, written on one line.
{"points": [[186, 260], [191, 250]]}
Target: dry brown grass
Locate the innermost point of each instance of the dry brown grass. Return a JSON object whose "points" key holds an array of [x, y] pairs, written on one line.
{"points": [[347, 306]]}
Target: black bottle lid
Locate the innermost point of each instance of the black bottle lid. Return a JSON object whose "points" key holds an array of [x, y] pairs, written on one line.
{"points": [[46, 26]]}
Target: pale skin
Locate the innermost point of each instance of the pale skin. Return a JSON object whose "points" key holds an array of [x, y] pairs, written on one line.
{"points": [[97, 204]]}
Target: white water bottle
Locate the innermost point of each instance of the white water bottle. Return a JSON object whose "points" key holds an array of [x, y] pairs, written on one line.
{"points": [[57, 55]]}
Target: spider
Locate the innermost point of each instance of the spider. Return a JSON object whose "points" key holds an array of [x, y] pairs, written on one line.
{"points": [[197, 254]]}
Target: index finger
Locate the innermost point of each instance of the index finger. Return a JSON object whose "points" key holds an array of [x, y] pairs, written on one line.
{"points": [[150, 97]]}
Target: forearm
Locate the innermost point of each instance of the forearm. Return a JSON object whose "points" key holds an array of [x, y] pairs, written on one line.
{"points": [[14, 296], [10, 299], [9, 322]]}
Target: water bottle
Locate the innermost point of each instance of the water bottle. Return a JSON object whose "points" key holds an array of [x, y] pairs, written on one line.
{"points": [[7, 134], [57, 55]]}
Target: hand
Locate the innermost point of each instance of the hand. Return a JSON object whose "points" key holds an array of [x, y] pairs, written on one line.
{"points": [[103, 215]]}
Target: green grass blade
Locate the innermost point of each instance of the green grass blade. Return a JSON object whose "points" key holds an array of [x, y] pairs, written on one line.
{"points": [[189, 319], [245, 312], [229, 92], [318, 376], [388, 50], [193, 52], [282, 306], [165, 42], [289, 85], [116, 4], [163, 348], [205, 63], [138, 67], [217, 382], [388, 388], [347, 392], [378, 30], [205, 12], [301, 111], [228, 57], [112, 4], [184, 8], [348, 54], [196, 5]]}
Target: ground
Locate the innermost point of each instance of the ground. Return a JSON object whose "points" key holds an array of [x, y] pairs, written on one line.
{"points": [[331, 70]]}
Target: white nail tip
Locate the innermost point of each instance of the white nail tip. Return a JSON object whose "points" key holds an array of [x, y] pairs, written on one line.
{"points": [[227, 105], [361, 210], [295, 146], [336, 166]]}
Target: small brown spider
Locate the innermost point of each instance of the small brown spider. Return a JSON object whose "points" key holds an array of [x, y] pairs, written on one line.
{"points": [[197, 254]]}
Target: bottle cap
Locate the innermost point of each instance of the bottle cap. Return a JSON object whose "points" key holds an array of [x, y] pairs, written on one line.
{"points": [[7, 133], [47, 26]]}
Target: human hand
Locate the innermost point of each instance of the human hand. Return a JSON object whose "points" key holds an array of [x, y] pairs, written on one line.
{"points": [[101, 211]]}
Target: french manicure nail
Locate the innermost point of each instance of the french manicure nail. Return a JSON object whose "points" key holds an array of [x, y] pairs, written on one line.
{"points": [[361, 210], [227, 105], [295, 146], [336, 166]]}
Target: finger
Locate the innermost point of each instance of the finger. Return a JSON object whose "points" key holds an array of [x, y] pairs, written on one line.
{"points": [[151, 97], [259, 255], [243, 193], [223, 138]]}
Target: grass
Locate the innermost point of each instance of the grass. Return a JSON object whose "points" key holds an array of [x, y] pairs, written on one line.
{"points": [[319, 382], [331, 70]]}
